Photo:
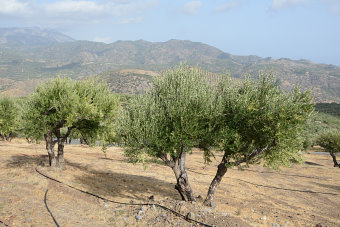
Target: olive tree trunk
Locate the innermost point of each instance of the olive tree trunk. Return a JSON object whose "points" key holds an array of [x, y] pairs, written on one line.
{"points": [[336, 164], [221, 171], [61, 144], [50, 148], [182, 185], [8, 137], [60, 157]]}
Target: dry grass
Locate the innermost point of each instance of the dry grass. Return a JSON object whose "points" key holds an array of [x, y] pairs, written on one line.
{"points": [[257, 195]]}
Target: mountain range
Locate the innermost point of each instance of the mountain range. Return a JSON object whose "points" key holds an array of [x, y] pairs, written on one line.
{"points": [[31, 55]]}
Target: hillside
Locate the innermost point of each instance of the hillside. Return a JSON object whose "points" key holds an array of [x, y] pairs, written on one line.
{"points": [[79, 59], [129, 81]]}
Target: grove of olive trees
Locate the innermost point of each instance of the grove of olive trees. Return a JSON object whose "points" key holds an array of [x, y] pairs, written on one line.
{"points": [[250, 121]]}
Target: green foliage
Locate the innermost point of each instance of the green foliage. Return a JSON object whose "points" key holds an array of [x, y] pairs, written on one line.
{"points": [[96, 111], [170, 118], [249, 120], [307, 143], [87, 107], [318, 124], [51, 103], [330, 141], [125, 97], [8, 117], [260, 121]]}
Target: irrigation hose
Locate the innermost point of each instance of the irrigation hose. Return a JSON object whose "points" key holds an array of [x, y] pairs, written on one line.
{"points": [[117, 202], [1, 222], [49, 211]]}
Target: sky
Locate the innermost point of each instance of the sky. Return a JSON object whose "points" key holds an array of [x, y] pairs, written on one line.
{"points": [[296, 29]]}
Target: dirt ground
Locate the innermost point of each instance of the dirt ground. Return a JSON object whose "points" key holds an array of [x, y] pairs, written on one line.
{"points": [[303, 195]]}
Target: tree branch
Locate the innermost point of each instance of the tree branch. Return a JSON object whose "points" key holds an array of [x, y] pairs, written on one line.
{"points": [[68, 132], [49, 111], [254, 154], [60, 124], [165, 159]]}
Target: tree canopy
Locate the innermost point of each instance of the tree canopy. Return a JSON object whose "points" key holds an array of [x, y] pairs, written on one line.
{"points": [[168, 121], [8, 118], [62, 105], [331, 142], [258, 121], [249, 121]]}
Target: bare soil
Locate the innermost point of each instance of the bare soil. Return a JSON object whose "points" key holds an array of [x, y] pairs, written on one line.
{"points": [[303, 195]]}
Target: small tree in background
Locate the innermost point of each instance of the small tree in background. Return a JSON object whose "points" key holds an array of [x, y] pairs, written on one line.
{"points": [[331, 142], [168, 121], [307, 143], [258, 121], [62, 105], [8, 118]]}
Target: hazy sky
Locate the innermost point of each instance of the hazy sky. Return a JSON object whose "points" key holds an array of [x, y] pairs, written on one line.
{"points": [[296, 29]]}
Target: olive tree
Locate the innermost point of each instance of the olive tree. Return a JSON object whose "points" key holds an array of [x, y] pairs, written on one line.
{"points": [[331, 142], [257, 121], [61, 106], [8, 118], [168, 121]]}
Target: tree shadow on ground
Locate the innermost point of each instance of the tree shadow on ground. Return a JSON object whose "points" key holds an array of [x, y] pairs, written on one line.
{"points": [[19, 161], [107, 159], [329, 186], [122, 185], [104, 183], [313, 163], [264, 172], [287, 174]]}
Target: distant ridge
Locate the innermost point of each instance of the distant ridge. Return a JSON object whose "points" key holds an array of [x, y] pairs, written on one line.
{"points": [[44, 54], [31, 36]]}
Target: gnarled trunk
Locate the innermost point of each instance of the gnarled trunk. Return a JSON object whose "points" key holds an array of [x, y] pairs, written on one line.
{"points": [[61, 144], [8, 137], [29, 140], [60, 157], [50, 148], [81, 140], [182, 185], [336, 164], [177, 164], [221, 171]]}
